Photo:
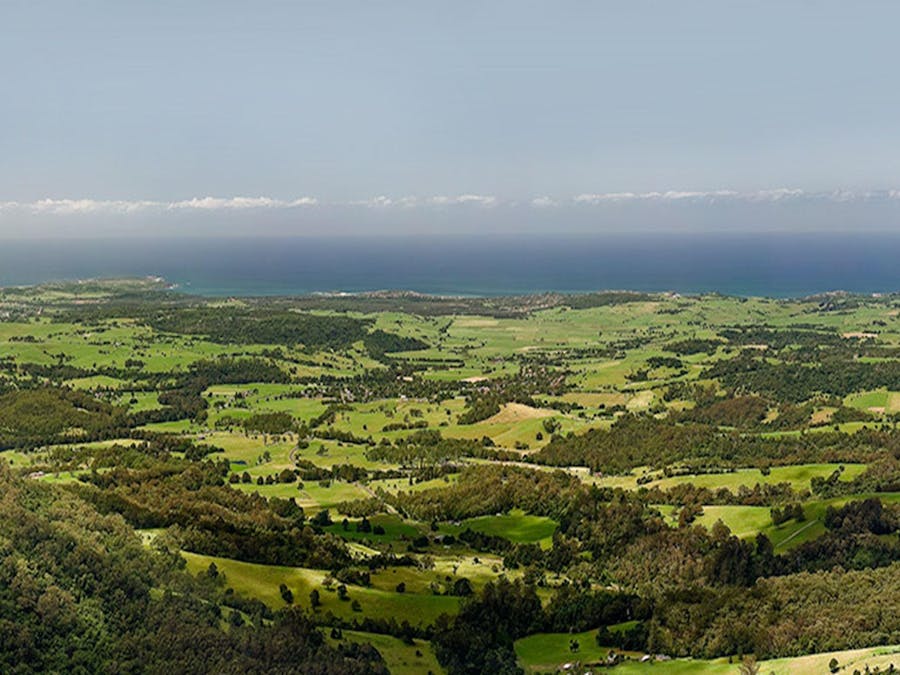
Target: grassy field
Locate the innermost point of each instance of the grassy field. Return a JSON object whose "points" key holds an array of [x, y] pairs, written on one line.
{"points": [[263, 582], [516, 526], [401, 658], [547, 652], [878, 402], [313, 497], [798, 476], [748, 521]]}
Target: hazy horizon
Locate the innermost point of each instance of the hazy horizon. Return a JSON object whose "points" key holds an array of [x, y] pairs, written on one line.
{"points": [[506, 117]]}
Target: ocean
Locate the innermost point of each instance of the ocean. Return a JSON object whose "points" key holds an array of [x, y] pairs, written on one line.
{"points": [[779, 265]]}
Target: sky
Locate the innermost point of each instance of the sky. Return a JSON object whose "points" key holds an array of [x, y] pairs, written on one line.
{"points": [[264, 117]]}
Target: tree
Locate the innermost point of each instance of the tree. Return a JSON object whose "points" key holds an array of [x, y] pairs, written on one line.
{"points": [[462, 587], [321, 519], [314, 599]]}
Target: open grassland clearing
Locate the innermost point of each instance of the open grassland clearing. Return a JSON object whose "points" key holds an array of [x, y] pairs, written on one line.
{"points": [[394, 418], [528, 433], [263, 582], [518, 412], [401, 658], [547, 652], [395, 529], [876, 402], [516, 526], [312, 496], [748, 521], [798, 476]]}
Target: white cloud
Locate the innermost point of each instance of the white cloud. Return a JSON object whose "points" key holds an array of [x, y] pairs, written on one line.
{"points": [[239, 203], [605, 197], [670, 195], [776, 195], [381, 201], [478, 200], [87, 206], [64, 207], [121, 206], [544, 202], [303, 201]]}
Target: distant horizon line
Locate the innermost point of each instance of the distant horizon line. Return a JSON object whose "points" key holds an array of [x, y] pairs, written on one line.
{"points": [[208, 203], [506, 235], [376, 293]]}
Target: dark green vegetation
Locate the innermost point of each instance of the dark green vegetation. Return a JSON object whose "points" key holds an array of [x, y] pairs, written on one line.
{"points": [[396, 482], [80, 594]]}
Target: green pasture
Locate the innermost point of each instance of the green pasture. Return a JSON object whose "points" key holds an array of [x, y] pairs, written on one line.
{"points": [[312, 497], [395, 529], [547, 652], [400, 658], [797, 475], [516, 526], [263, 582], [748, 521]]}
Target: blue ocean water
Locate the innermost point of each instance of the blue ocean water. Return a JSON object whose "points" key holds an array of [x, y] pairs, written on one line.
{"points": [[772, 265]]}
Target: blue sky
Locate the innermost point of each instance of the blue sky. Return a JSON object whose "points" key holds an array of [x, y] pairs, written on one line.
{"points": [[360, 117]]}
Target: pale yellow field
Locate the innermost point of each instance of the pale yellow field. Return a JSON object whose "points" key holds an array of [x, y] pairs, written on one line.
{"points": [[516, 412]]}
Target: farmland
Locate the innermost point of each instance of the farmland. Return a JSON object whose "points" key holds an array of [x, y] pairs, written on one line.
{"points": [[478, 484]]}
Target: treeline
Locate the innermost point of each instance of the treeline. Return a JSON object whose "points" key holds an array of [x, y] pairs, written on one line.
{"points": [[426, 447], [280, 327], [380, 342], [647, 441], [690, 346], [882, 475], [799, 381], [256, 326], [487, 489], [206, 516], [46, 415], [606, 299], [783, 616]]}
